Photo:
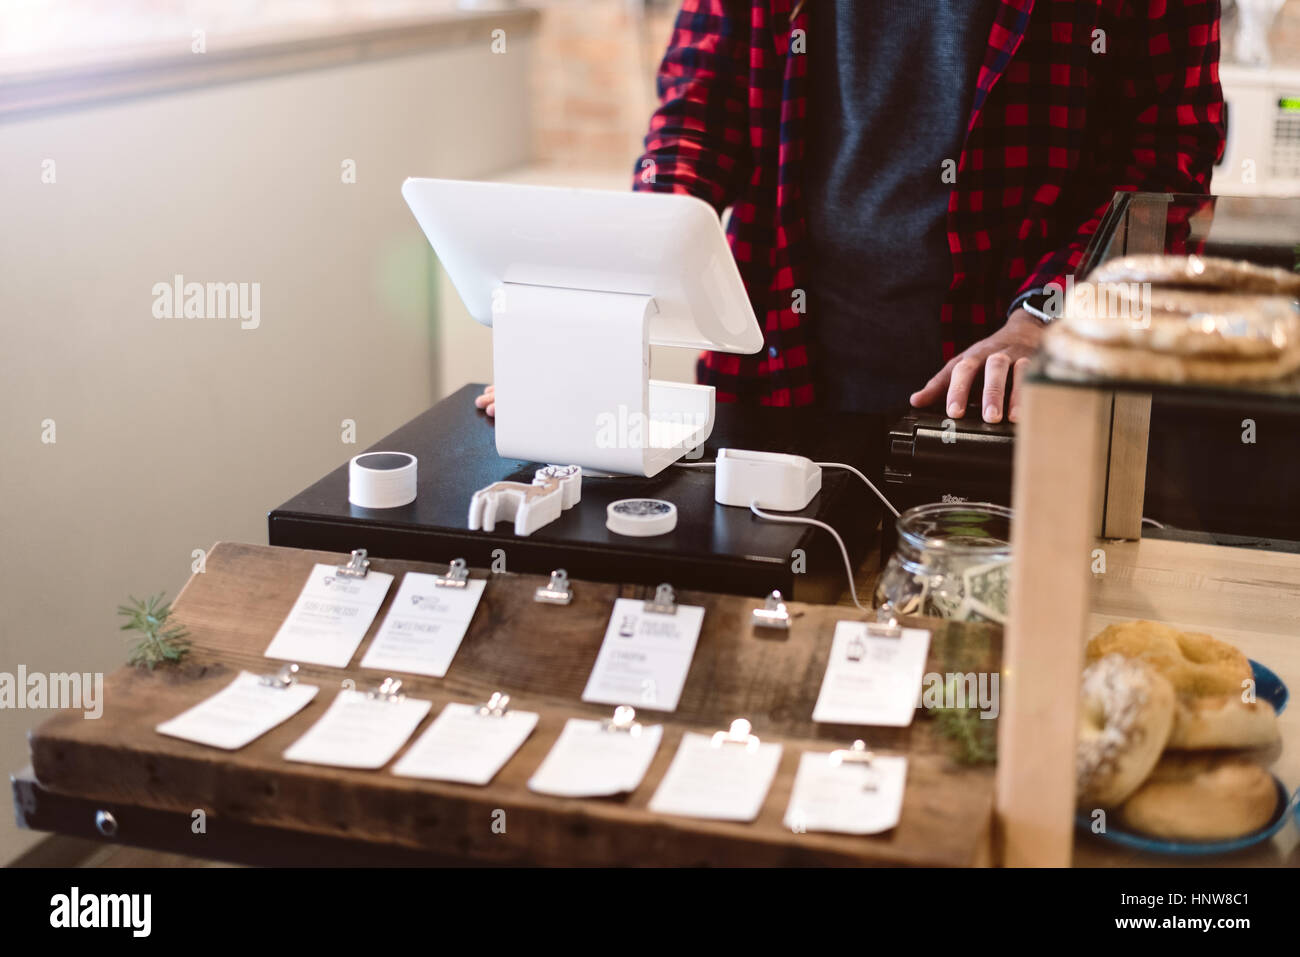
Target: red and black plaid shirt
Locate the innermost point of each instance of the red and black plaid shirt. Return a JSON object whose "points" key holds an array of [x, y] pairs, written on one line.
{"points": [[1075, 100]]}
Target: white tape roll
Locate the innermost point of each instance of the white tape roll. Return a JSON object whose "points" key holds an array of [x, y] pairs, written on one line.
{"points": [[641, 517], [381, 479]]}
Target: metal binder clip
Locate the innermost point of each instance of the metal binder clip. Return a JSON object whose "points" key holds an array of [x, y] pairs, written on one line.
{"points": [[390, 689], [284, 678], [885, 625], [738, 734], [357, 565], [859, 756], [457, 575], [557, 592], [664, 601], [773, 614], [624, 720], [496, 706]]}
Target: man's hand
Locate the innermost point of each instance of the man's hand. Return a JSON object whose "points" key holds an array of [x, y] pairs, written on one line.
{"points": [[1003, 355], [488, 400]]}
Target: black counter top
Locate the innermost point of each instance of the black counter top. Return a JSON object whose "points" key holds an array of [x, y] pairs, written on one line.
{"points": [[713, 547]]}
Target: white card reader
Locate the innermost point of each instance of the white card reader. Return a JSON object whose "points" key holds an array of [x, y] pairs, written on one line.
{"points": [[775, 480]]}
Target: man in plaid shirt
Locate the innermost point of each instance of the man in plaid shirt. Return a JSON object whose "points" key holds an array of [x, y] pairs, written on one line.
{"points": [[908, 178], [1022, 118]]}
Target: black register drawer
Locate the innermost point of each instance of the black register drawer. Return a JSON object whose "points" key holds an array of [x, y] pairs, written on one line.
{"points": [[714, 547]]}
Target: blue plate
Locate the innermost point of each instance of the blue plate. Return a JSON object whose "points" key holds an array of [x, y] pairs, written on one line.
{"points": [[1269, 687], [1190, 848]]}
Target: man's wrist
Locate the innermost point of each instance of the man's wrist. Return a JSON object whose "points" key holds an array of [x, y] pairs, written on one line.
{"points": [[1035, 303]]}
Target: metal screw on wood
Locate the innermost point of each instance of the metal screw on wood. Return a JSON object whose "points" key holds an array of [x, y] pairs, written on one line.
{"points": [[105, 823]]}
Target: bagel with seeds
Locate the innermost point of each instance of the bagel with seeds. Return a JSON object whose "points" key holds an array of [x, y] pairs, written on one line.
{"points": [[1126, 712]]}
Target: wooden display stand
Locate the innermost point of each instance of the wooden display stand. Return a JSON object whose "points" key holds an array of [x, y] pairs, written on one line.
{"points": [[1056, 497], [1077, 496], [262, 809], [1079, 486]]}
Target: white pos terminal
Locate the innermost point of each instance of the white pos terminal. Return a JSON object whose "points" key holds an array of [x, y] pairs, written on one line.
{"points": [[577, 285]]}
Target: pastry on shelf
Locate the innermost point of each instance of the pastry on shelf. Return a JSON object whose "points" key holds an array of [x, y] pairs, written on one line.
{"points": [[1179, 319], [1202, 797], [1161, 713], [1198, 272], [1222, 721], [1126, 713], [1212, 679], [1194, 663]]}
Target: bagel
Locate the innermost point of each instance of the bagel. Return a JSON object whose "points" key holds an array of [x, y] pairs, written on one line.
{"points": [[1222, 721], [1204, 272], [1126, 713], [1195, 664], [1202, 797], [1185, 322], [1071, 356]]}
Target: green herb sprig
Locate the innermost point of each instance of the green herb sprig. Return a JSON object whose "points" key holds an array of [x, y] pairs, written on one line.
{"points": [[163, 639], [975, 738]]}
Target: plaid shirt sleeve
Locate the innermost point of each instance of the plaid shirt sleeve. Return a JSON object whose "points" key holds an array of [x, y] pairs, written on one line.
{"points": [[698, 137], [1167, 130]]}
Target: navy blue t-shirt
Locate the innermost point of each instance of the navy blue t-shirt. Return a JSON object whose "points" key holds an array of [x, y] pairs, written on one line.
{"points": [[891, 83]]}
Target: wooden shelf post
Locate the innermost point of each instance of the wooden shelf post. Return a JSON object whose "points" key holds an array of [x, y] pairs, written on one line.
{"points": [[1057, 495], [1126, 474]]}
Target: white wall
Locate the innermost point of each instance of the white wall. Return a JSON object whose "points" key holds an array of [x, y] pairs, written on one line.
{"points": [[171, 433]]}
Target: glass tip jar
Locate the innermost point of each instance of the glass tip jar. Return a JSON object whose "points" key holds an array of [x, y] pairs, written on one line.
{"points": [[953, 560]]}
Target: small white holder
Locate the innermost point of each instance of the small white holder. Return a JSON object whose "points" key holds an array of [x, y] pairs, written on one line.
{"points": [[382, 479], [554, 489], [641, 517], [577, 285]]}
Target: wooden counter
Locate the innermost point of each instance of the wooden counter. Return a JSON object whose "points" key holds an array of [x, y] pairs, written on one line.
{"points": [[262, 809], [541, 655]]}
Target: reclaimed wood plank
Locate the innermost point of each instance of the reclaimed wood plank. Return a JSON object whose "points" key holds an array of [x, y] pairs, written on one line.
{"points": [[541, 655]]}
